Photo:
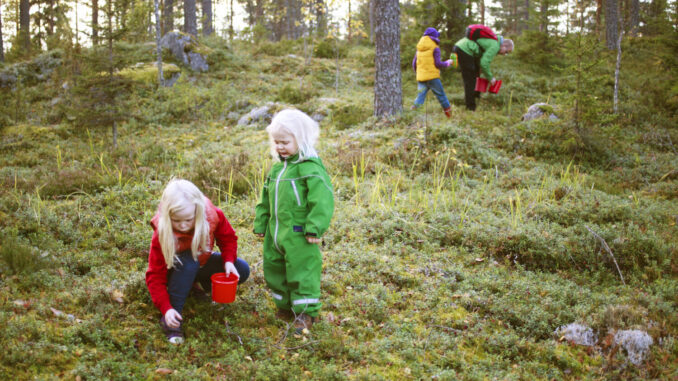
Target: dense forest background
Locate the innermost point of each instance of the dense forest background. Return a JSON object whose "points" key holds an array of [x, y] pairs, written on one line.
{"points": [[483, 246]]}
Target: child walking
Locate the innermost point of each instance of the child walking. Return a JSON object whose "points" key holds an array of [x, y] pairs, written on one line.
{"points": [[185, 228], [295, 210], [427, 65]]}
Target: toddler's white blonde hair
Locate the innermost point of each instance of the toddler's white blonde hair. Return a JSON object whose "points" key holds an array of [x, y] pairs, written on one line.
{"points": [[176, 195], [304, 129]]}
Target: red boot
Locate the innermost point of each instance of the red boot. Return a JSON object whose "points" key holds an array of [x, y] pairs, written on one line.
{"points": [[448, 111]]}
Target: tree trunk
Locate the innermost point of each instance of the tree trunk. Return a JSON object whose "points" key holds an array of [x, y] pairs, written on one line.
{"points": [[387, 84], [371, 21], [616, 73], [2, 47], [231, 31], [207, 28], [158, 49], [190, 22], [526, 22], [321, 18], [599, 13], [611, 23], [109, 37], [634, 17], [348, 24], [25, 25], [167, 17], [95, 22], [544, 16], [481, 5], [50, 17]]}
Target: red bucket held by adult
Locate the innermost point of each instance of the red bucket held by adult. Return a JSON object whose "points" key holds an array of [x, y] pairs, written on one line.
{"points": [[483, 85]]}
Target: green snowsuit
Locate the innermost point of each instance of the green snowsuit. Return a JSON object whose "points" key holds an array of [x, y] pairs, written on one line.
{"points": [[296, 202]]}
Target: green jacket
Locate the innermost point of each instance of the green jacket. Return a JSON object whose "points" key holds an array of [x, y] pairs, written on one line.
{"points": [[297, 198], [485, 48]]}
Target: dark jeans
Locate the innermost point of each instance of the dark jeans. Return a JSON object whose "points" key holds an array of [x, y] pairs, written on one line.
{"points": [[180, 279], [470, 70]]}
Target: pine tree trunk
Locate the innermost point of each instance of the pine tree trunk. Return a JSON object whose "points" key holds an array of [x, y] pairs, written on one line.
{"points": [[95, 22], [387, 84], [611, 23], [167, 17], [231, 31], [25, 25], [190, 22], [634, 17], [109, 37], [321, 18], [371, 21], [50, 17], [207, 28], [599, 14], [158, 48], [526, 16], [2, 47], [481, 5], [348, 23]]}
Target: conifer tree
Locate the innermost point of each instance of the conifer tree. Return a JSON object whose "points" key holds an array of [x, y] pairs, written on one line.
{"points": [[611, 23], [190, 22], [388, 97], [95, 22], [207, 28], [2, 47], [167, 16], [25, 25]]}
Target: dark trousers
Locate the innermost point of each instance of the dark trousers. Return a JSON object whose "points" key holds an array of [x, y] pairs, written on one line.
{"points": [[470, 70], [181, 278]]}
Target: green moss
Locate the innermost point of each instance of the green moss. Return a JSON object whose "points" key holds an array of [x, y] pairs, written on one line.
{"points": [[148, 73]]}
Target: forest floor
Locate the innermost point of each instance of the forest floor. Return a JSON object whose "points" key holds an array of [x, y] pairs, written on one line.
{"points": [[458, 246]]}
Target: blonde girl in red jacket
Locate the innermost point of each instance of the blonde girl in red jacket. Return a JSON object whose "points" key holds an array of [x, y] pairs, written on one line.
{"points": [[185, 229]]}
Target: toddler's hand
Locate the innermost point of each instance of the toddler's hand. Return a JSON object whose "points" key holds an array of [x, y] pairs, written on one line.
{"points": [[315, 240], [229, 268], [493, 81], [260, 235], [173, 318]]}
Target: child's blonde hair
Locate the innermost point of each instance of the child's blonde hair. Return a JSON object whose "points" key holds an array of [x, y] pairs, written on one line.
{"points": [[304, 129], [177, 193]]}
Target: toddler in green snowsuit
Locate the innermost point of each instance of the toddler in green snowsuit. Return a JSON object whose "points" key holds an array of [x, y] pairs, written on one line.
{"points": [[295, 210]]}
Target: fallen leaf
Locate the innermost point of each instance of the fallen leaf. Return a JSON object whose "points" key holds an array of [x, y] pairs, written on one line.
{"points": [[248, 358], [117, 295], [330, 317], [164, 371], [22, 303]]}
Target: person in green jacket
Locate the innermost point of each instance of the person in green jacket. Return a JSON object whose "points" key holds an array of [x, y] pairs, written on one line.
{"points": [[475, 57], [295, 210]]}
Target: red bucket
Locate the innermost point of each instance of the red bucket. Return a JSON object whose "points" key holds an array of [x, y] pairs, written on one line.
{"points": [[224, 287], [495, 88], [481, 84]]}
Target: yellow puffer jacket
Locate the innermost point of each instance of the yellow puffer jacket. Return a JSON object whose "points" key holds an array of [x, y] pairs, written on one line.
{"points": [[426, 68]]}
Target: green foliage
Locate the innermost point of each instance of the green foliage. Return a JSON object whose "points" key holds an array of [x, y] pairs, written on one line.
{"points": [[330, 48], [18, 256], [457, 248]]}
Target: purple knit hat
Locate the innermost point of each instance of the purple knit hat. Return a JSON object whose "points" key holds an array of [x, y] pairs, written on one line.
{"points": [[433, 34]]}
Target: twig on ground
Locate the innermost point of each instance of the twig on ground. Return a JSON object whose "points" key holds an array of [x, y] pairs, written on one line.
{"points": [[228, 329], [607, 248]]}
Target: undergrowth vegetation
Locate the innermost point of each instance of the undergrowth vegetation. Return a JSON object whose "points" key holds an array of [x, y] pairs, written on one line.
{"points": [[457, 249]]}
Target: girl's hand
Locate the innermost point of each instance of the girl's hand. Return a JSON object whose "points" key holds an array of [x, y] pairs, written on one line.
{"points": [[173, 318], [315, 240], [229, 268]]}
